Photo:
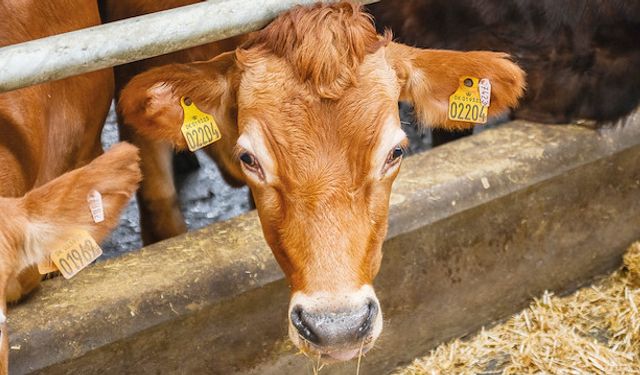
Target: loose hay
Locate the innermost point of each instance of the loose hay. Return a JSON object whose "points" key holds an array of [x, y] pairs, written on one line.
{"points": [[596, 330]]}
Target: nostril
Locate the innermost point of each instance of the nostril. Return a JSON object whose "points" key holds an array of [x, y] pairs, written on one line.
{"points": [[367, 325], [298, 321]]}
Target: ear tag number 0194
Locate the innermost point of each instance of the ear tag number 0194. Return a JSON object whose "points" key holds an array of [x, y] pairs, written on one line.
{"points": [[470, 102], [198, 128], [74, 254]]}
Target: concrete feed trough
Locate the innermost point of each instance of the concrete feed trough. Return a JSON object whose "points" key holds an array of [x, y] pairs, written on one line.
{"points": [[477, 228]]}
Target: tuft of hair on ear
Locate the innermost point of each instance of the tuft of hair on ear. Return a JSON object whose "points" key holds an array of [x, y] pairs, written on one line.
{"points": [[150, 105]]}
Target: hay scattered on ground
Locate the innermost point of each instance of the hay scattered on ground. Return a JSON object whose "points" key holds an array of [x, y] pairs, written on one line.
{"points": [[596, 330]]}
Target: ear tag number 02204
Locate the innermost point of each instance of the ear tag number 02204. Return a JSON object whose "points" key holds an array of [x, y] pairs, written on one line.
{"points": [[470, 102], [74, 254], [198, 128]]}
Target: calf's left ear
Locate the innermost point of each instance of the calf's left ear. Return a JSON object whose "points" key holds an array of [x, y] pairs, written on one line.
{"points": [[429, 77], [62, 203]]}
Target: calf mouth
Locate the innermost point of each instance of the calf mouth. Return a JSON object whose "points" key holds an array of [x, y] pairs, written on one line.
{"points": [[335, 327], [334, 355]]}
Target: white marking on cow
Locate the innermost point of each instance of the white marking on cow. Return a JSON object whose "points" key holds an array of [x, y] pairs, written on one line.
{"points": [[38, 240], [390, 136], [252, 140]]}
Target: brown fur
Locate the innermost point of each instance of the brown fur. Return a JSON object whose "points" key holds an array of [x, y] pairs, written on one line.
{"points": [[582, 58], [314, 42], [157, 199], [317, 85], [45, 131], [33, 224]]}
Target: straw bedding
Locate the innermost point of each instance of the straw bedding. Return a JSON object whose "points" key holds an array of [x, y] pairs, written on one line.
{"points": [[596, 330]]}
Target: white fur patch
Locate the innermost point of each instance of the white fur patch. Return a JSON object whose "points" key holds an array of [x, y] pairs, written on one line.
{"points": [[390, 136], [252, 140], [161, 95], [38, 239]]}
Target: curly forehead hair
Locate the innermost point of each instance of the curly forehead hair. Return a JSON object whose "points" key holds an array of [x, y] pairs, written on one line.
{"points": [[325, 46]]}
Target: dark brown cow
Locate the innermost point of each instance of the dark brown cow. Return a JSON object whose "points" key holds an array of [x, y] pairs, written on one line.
{"points": [[582, 58], [308, 113]]}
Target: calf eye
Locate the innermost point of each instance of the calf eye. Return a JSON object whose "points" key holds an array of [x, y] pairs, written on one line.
{"points": [[248, 159], [393, 159], [395, 155], [251, 163]]}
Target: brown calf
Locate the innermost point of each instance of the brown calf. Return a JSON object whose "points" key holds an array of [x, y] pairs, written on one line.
{"points": [[32, 225], [48, 129], [308, 113]]}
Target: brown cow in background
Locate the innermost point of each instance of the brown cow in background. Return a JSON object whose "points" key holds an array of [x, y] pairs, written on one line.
{"points": [[45, 131], [48, 129]]}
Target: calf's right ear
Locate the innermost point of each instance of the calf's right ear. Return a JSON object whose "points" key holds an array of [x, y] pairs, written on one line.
{"points": [[150, 102]]}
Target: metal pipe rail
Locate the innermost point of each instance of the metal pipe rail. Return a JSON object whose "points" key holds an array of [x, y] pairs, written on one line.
{"points": [[134, 39]]}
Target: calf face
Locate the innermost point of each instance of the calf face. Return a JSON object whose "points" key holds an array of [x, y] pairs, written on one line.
{"points": [[308, 113], [30, 226]]}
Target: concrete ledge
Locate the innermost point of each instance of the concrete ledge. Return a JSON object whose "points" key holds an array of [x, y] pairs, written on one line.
{"points": [[477, 228]]}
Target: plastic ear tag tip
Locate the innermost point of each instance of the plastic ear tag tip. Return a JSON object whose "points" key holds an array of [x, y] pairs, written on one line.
{"points": [[95, 206], [47, 266], [484, 86]]}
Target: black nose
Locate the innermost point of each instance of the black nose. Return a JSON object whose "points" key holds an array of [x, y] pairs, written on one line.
{"points": [[327, 328]]}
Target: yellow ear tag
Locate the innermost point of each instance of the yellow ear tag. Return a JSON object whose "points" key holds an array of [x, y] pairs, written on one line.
{"points": [[466, 103], [198, 128], [74, 254]]}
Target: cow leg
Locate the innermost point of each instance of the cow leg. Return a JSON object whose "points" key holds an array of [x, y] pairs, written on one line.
{"points": [[160, 216], [25, 282]]}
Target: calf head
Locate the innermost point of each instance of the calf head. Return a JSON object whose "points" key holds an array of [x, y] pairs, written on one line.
{"points": [[32, 225], [308, 108]]}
